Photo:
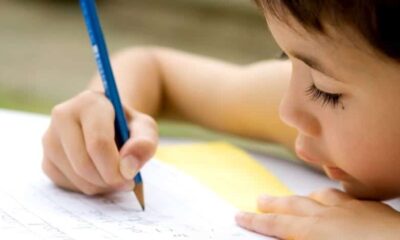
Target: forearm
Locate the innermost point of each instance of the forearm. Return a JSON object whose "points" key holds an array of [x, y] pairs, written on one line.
{"points": [[160, 81], [241, 100], [258, 107]]}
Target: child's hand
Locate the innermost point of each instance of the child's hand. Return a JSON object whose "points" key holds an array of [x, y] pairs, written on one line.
{"points": [[80, 153], [328, 214]]}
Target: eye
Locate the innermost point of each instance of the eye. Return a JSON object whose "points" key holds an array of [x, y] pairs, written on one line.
{"points": [[326, 98]]}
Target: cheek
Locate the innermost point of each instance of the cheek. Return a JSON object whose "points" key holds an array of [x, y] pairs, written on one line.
{"points": [[368, 151]]}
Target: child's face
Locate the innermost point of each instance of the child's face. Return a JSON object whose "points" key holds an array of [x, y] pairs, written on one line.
{"points": [[354, 131]]}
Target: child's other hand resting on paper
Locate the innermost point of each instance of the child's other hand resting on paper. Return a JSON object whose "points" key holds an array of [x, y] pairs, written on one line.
{"points": [[328, 215], [80, 153]]}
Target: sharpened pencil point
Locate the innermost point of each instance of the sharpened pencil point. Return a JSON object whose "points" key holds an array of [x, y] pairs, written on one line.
{"points": [[138, 190]]}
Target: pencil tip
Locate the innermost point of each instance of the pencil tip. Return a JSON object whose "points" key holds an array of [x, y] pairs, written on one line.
{"points": [[138, 190]]}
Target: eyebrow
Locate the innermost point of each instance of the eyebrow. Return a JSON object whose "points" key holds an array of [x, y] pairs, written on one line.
{"points": [[313, 63]]}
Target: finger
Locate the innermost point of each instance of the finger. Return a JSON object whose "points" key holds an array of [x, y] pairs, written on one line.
{"points": [[330, 197], [140, 147], [60, 180], [56, 155], [274, 225], [293, 205], [57, 176], [98, 131], [73, 144]]}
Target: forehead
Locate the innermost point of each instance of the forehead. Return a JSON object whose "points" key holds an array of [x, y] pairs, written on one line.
{"points": [[332, 37], [339, 48]]}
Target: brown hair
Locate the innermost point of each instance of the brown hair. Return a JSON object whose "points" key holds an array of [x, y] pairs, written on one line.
{"points": [[375, 20]]}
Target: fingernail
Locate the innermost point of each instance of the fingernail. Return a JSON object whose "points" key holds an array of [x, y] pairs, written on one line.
{"points": [[129, 167]]}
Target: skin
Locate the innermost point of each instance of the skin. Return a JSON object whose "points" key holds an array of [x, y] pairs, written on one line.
{"points": [[354, 141], [327, 214], [335, 137], [79, 149]]}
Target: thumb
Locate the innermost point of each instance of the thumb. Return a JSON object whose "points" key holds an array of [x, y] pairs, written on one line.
{"points": [[140, 147]]}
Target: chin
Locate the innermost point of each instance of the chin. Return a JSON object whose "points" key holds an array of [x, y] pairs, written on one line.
{"points": [[363, 192]]}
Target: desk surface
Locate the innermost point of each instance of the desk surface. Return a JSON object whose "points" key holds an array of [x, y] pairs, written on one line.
{"points": [[20, 140]]}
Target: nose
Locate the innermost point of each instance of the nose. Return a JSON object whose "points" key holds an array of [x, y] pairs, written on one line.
{"points": [[295, 110]]}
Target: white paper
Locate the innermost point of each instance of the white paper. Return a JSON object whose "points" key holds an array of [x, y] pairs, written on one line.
{"points": [[32, 208], [177, 207]]}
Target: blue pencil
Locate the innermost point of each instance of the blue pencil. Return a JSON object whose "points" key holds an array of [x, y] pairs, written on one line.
{"points": [[103, 63]]}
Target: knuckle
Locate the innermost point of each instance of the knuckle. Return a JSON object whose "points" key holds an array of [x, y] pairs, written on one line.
{"points": [[91, 98], [59, 112], [87, 96], [98, 144], [82, 168]]}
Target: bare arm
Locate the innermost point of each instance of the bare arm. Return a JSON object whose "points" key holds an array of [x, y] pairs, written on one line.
{"points": [[79, 151], [241, 100]]}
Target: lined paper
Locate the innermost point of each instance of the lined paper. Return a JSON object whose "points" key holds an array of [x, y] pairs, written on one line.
{"points": [[177, 207]]}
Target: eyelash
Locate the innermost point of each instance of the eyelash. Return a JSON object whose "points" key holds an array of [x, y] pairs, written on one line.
{"points": [[316, 94], [326, 98]]}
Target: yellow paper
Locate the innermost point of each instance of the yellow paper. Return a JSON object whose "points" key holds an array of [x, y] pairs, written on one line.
{"points": [[226, 170]]}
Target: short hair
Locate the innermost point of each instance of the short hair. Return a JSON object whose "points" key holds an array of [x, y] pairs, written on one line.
{"points": [[377, 21]]}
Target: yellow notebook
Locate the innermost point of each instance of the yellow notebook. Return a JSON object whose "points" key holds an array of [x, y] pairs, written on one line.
{"points": [[227, 170]]}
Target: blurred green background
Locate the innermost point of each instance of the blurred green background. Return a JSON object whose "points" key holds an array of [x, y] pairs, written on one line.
{"points": [[45, 56]]}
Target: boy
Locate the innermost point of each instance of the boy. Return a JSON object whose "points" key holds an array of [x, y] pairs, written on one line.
{"points": [[339, 91]]}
